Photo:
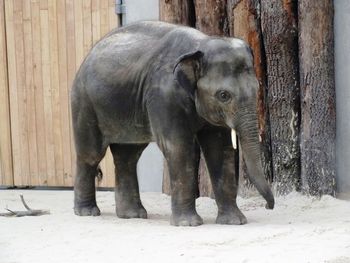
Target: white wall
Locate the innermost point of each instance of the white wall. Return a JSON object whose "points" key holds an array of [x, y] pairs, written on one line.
{"points": [[150, 165], [342, 79], [137, 10]]}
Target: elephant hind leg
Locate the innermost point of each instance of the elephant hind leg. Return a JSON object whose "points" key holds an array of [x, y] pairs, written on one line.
{"points": [[84, 189], [90, 150], [84, 186], [127, 196]]}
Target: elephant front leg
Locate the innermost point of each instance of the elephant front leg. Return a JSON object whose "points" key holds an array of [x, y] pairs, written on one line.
{"points": [[220, 159], [183, 161]]}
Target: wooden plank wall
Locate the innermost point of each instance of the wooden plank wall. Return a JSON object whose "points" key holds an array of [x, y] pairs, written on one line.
{"points": [[46, 42], [6, 174]]}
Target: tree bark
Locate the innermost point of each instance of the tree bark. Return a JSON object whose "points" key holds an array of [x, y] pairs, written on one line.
{"points": [[317, 96], [211, 17], [279, 27], [177, 12], [244, 23]]}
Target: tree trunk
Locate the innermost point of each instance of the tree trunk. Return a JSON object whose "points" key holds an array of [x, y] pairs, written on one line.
{"points": [[211, 17], [317, 96], [244, 23], [177, 12], [279, 27]]}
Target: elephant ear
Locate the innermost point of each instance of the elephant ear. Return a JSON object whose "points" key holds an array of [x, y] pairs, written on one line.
{"points": [[187, 69]]}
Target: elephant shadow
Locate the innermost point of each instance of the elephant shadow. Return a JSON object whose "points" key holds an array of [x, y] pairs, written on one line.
{"points": [[152, 216]]}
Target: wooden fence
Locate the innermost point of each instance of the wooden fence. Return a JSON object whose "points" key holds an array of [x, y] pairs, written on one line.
{"points": [[42, 44]]}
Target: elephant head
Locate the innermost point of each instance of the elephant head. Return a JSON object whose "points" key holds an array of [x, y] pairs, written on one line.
{"points": [[219, 75]]}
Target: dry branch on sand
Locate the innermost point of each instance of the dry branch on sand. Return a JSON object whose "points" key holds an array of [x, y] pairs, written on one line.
{"points": [[29, 212]]}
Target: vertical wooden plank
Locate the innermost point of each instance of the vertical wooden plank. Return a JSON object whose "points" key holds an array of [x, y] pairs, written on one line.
{"points": [[112, 16], [109, 21], [95, 9], [43, 5], [29, 86], [87, 26], [105, 164], [95, 29], [12, 80], [71, 69], [56, 103], [79, 34], [6, 171], [104, 17], [110, 171], [46, 73], [79, 46], [23, 178], [112, 24], [39, 95], [63, 90], [96, 35]]}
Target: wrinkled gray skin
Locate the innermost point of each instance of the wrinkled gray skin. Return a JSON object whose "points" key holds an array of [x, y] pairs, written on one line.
{"points": [[153, 81]]}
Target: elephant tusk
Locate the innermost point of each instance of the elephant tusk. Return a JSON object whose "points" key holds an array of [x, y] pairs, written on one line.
{"points": [[234, 139]]}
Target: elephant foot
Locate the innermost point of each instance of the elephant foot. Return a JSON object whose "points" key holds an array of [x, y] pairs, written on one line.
{"points": [[89, 210], [192, 219], [233, 217], [137, 211]]}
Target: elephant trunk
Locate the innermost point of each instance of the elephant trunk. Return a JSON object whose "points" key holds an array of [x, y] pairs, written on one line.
{"points": [[248, 134]]}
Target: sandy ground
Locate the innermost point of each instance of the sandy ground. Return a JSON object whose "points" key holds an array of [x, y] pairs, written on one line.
{"points": [[300, 229]]}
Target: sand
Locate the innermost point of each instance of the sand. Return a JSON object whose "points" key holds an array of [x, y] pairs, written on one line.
{"points": [[299, 229]]}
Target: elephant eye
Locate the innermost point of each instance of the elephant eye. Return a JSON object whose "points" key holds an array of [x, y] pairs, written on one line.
{"points": [[223, 95]]}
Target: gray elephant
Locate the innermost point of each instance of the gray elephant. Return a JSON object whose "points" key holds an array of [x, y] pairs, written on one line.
{"points": [[154, 81]]}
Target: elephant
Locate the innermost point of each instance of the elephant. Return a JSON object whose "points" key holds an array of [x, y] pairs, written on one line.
{"points": [[158, 82]]}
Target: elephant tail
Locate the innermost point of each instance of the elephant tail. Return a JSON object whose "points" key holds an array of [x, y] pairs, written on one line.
{"points": [[99, 174]]}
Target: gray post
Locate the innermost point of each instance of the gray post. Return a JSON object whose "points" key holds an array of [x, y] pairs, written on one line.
{"points": [[342, 82]]}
